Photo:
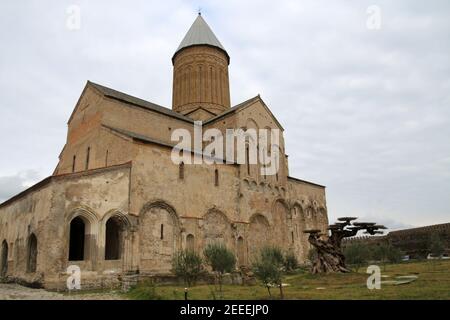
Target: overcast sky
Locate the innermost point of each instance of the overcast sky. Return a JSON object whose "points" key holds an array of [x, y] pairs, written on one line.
{"points": [[365, 109]]}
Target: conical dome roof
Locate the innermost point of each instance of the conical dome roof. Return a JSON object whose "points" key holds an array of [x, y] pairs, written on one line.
{"points": [[200, 34]]}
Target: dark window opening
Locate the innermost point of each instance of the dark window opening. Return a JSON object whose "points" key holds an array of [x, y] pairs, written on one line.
{"points": [[247, 159], [73, 163], [162, 231], [88, 153], [113, 241], [216, 178], [181, 171], [241, 251], [32, 254], [77, 237], [292, 236]]}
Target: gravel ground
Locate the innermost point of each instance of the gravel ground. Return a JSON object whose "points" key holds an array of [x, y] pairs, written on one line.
{"points": [[18, 292]]}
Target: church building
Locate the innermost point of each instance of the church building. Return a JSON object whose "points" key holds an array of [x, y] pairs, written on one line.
{"points": [[116, 204]]}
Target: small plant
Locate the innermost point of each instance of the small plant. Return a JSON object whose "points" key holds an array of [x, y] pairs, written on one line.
{"points": [[269, 268], [187, 264], [290, 262], [220, 259]]}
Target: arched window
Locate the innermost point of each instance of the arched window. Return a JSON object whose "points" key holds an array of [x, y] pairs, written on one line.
{"points": [[32, 253], [181, 171], [4, 259], [216, 178], [113, 240], [190, 242], [77, 239]]}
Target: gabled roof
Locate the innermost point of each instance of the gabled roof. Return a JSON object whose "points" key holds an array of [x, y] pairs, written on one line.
{"points": [[123, 97], [242, 106], [200, 34]]}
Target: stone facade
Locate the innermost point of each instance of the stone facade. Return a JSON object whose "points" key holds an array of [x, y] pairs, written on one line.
{"points": [[117, 204]]}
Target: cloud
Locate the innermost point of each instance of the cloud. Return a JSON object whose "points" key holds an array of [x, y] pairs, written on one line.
{"points": [[365, 111], [14, 184]]}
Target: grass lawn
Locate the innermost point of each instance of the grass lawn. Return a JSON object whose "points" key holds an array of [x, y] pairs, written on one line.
{"points": [[433, 283]]}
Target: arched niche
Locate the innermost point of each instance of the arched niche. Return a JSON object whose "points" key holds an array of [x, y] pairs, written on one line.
{"points": [[160, 235]]}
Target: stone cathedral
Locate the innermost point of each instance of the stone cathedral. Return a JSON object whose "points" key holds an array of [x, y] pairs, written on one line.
{"points": [[117, 204]]}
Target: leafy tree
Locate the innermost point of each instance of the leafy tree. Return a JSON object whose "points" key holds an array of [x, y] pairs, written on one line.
{"points": [[269, 268], [394, 254], [381, 253], [385, 253], [187, 264], [290, 262], [220, 259], [356, 254]]}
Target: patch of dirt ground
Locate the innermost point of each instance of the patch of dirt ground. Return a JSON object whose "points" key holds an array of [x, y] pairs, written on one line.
{"points": [[10, 291]]}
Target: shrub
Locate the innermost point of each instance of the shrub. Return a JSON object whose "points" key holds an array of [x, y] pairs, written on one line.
{"points": [[187, 265], [290, 262]]}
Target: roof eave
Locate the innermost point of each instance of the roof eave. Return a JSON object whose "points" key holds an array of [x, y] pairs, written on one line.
{"points": [[201, 45]]}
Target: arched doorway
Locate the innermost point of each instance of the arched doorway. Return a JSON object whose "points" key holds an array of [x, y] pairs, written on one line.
{"points": [[77, 239], [32, 253], [4, 259], [114, 239]]}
